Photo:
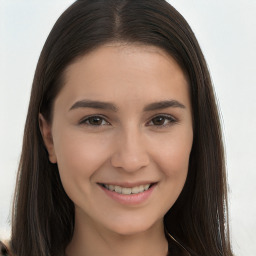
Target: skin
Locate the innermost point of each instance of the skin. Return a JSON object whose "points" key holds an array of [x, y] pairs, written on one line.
{"points": [[125, 144]]}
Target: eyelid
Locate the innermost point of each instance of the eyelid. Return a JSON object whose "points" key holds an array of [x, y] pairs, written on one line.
{"points": [[171, 118], [83, 120]]}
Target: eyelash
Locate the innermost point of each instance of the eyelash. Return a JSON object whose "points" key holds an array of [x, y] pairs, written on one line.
{"points": [[86, 121], [167, 118], [170, 120]]}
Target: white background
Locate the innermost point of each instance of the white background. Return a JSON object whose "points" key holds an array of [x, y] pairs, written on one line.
{"points": [[226, 32]]}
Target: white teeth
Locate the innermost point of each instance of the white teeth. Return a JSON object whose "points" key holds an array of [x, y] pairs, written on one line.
{"points": [[146, 187], [135, 190], [111, 187], [118, 189], [127, 191], [141, 187]]}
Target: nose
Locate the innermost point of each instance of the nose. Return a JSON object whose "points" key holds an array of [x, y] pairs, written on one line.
{"points": [[130, 152]]}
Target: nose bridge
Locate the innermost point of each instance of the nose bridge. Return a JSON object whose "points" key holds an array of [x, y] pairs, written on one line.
{"points": [[131, 152]]}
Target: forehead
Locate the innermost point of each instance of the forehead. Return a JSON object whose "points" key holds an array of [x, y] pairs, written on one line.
{"points": [[127, 53], [125, 71]]}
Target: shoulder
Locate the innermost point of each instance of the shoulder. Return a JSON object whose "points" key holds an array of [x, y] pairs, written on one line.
{"points": [[4, 249]]}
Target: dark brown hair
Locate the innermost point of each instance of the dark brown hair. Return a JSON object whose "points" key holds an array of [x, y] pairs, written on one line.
{"points": [[43, 215]]}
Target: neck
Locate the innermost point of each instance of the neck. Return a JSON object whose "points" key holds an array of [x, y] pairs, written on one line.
{"points": [[92, 240]]}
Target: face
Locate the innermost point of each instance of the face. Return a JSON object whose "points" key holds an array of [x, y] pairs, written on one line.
{"points": [[121, 136]]}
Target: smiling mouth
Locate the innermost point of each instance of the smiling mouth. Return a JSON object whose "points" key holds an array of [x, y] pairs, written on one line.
{"points": [[127, 191]]}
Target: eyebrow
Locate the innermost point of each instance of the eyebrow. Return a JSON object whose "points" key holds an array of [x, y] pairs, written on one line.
{"points": [[94, 104], [109, 106], [164, 104]]}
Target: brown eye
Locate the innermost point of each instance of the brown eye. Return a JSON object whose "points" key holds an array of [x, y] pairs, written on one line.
{"points": [[159, 120], [162, 120], [94, 121]]}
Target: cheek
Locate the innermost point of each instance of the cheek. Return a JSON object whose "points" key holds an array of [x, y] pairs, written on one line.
{"points": [[79, 156], [170, 153], [173, 155]]}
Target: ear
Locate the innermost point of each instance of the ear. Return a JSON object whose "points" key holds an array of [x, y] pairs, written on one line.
{"points": [[46, 131]]}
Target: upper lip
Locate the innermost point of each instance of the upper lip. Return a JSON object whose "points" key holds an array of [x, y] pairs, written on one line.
{"points": [[128, 184]]}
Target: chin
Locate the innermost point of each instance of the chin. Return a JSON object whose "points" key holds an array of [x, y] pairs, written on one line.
{"points": [[133, 227]]}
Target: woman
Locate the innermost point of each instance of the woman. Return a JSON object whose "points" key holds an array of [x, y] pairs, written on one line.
{"points": [[122, 150]]}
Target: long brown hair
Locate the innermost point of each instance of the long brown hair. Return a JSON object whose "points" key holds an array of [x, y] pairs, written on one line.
{"points": [[43, 215]]}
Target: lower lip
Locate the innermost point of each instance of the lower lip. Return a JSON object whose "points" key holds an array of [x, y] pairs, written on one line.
{"points": [[131, 199]]}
